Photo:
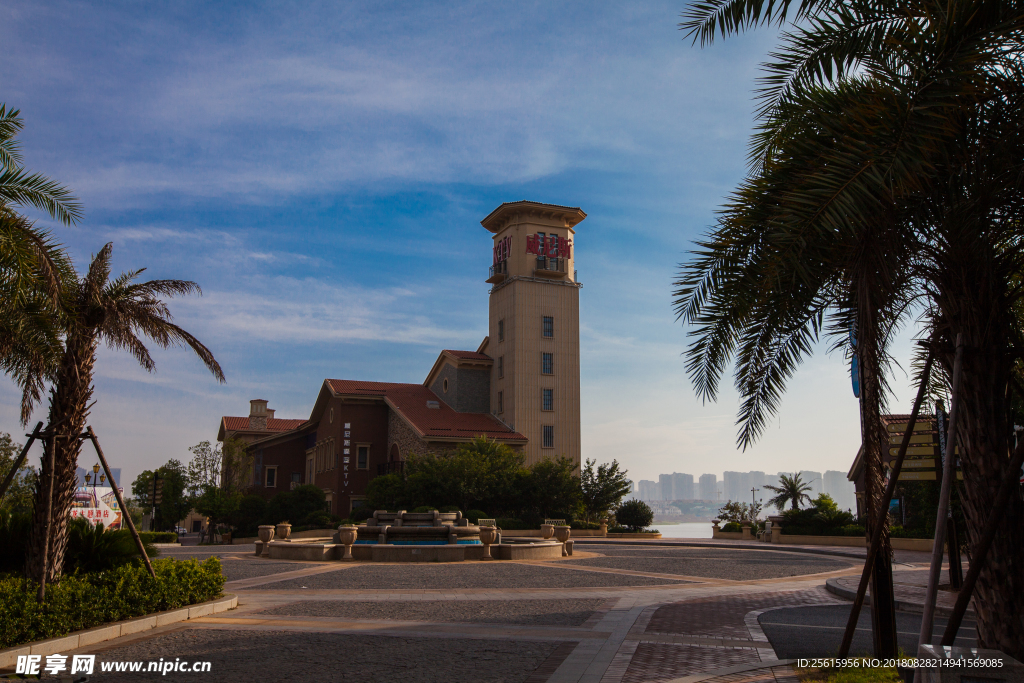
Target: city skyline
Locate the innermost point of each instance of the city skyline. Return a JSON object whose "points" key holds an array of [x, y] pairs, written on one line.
{"points": [[735, 486]]}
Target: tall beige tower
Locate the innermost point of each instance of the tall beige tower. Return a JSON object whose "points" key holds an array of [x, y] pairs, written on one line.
{"points": [[534, 329]]}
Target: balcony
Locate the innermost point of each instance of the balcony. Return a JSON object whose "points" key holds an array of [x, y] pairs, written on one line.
{"points": [[497, 272], [550, 267], [392, 467]]}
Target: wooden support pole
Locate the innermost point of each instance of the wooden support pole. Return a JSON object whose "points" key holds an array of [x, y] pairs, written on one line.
{"points": [[125, 515], [883, 513], [942, 513], [50, 448], [980, 551], [21, 459]]}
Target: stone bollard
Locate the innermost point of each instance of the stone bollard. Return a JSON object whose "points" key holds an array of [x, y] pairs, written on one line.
{"points": [[568, 547], [266, 534], [284, 530], [745, 530], [487, 537], [562, 535], [259, 548], [547, 530], [347, 534], [776, 533]]}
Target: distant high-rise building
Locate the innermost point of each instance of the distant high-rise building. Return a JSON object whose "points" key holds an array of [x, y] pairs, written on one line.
{"points": [[682, 486], [733, 484], [707, 487], [770, 480], [647, 490], [841, 489], [665, 484]]}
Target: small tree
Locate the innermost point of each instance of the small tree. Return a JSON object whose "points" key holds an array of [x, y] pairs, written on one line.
{"points": [[551, 487], [635, 515], [603, 488], [18, 497], [176, 500], [217, 504], [791, 489]]}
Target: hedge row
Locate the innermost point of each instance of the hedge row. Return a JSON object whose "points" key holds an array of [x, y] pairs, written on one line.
{"points": [[158, 536], [82, 601]]}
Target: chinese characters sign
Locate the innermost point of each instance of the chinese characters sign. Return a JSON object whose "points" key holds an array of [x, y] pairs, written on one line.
{"points": [[502, 249], [551, 246], [97, 504]]}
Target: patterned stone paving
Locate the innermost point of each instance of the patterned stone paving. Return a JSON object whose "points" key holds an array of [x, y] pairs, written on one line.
{"points": [[606, 621]]}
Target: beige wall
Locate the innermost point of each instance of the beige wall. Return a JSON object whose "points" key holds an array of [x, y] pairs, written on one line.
{"points": [[522, 301]]}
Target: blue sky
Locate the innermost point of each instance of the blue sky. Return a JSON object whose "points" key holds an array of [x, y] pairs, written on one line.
{"points": [[321, 171]]}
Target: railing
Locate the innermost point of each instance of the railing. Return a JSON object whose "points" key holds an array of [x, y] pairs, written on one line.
{"points": [[392, 467], [551, 265], [497, 272]]}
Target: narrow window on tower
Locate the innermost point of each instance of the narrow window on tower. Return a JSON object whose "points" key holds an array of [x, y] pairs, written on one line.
{"points": [[549, 436], [501, 402], [548, 326], [548, 364], [362, 461], [501, 330], [549, 399], [501, 366]]}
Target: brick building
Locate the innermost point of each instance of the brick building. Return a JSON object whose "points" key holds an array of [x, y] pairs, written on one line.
{"points": [[520, 387]]}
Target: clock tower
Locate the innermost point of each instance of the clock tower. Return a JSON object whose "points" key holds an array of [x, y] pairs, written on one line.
{"points": [[534, 326]]}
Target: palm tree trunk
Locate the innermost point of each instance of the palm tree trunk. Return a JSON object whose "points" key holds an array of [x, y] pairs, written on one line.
{"points": [[972, 301], [874, 439], [69, 402]]}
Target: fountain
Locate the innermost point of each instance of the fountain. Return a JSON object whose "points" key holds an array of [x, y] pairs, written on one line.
{"points": [[416, 537]]}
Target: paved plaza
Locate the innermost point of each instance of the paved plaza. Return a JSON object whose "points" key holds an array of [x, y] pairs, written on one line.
{"points": [[612, 613]]}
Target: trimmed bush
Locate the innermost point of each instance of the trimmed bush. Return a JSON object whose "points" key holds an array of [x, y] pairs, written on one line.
{"points": [[474, 516], [319, 519], [158, 537], [360, 514], [635, 515], [733, 526], [424, 508], [511, 523], [83, 601], [578, 524]]}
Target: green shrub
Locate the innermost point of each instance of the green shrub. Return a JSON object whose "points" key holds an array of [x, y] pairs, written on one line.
{"points": [[85, 600], [511, 523], [424, 508], [89, 549], [158, 537], [627, 530], [732, 527], [14, 531], [634, 514], [475, 515], [360, 514], [578, 524], [317, 520]]}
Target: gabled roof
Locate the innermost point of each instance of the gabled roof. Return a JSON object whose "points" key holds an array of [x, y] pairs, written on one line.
{"points": [[460, 359], [442, 423], [231, 423]]}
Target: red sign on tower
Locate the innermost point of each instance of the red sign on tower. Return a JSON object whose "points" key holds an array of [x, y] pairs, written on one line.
{"points": [[550, 246]]}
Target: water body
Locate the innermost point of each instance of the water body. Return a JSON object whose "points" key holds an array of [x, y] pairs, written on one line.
{"points": [[684, 530]]}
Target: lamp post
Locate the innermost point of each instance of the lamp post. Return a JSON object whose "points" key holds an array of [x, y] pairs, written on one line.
{"points": [[94, 478]]}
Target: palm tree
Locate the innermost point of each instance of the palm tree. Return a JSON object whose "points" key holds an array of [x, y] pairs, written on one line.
{"points": [[925, 159], [791, 489], [32, 268], [115, 312]]}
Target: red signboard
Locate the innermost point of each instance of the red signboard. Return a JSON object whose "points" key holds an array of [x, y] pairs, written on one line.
{"points": [[550, 246], [502, 249]]}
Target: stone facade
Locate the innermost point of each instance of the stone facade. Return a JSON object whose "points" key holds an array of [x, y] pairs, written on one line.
{"points": [[402, 435], [469, 389]]}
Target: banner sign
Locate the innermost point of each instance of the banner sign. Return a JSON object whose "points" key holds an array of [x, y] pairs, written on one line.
{"points": [[97, 504]]}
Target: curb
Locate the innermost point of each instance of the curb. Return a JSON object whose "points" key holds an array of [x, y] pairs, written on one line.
{"points": [[99, 634], [738, 546], [833, 587]]}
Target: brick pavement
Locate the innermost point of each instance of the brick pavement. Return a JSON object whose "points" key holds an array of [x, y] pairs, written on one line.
{"points": [[697, 628]]}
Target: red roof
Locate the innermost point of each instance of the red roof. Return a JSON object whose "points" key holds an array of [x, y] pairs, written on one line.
{"points": [[468, 355], [274, 424], [410, 401]]}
